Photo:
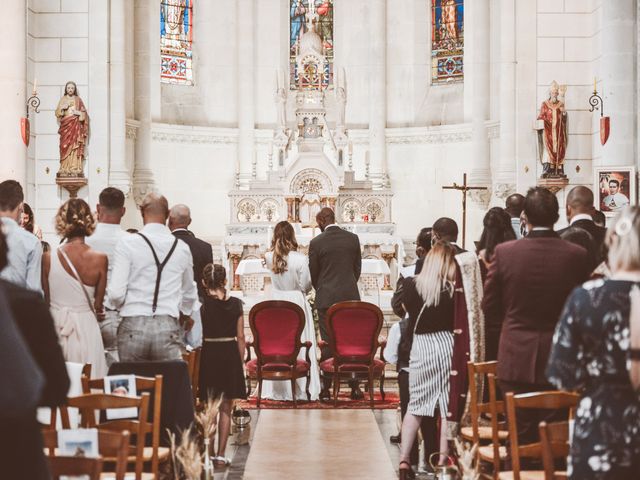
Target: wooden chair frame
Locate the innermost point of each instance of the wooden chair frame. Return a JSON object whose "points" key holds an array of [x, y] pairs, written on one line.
{"points": [[549, 400], [142, 384], [367, 373], [75, 466], [554, 443], [89, 403], [291, 360], [112, 445], [192, 358], [53, 419]]}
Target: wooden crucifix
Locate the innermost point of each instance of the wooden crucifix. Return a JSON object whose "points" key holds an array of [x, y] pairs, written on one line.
{"points": [[464, 188]]}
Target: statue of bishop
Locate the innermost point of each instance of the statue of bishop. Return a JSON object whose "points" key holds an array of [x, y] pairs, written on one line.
{"points": [[553, 117]]}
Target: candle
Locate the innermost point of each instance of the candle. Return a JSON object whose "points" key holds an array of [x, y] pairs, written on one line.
{"points": [[595, 89], [270, 149], [350, 148], [35, 85]]}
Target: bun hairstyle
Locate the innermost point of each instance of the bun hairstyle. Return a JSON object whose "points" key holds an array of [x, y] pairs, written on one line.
{"points": [[74, 219], [214, 277]]}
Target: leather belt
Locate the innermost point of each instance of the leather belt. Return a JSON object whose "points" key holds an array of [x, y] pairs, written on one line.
{"points": [[220, 339]]}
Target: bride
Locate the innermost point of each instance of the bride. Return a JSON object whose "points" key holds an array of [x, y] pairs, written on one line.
{"points": [[291, 281]]}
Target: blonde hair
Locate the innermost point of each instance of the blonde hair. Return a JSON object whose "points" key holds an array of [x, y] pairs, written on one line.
{"points": [[283, 242], [623, 240], [438, 273], [74, 219]]}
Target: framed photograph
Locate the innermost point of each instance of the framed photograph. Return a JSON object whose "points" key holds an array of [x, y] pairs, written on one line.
{"points": [[614, 188], [82, 442], [125, 386]]}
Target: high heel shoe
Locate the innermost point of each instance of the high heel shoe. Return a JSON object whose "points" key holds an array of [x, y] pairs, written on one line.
{"points": [[406, 473]]}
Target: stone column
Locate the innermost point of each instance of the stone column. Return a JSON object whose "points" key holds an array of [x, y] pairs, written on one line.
{"points": [[246, 83], [618, 79], [505, 178], [478, 21], [119, 175], [378, 84], [146, 20], [13, 85]]}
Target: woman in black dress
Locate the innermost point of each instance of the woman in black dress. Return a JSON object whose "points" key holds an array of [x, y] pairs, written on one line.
{"points": [[221, 369], [592, 353]]}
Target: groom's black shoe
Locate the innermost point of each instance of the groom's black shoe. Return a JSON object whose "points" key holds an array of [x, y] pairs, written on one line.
{"points": [[356, 394], [325, 395]]}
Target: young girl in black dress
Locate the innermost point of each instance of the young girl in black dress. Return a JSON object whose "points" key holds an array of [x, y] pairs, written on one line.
{"points": [[221, 369]]}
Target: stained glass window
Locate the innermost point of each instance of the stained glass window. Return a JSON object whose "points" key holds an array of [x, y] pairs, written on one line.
{"points": [[447, 41], [176, 34], [317, 15]]}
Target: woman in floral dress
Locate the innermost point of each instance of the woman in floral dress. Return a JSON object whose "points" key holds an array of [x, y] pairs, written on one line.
{"points": [[590, 354]]}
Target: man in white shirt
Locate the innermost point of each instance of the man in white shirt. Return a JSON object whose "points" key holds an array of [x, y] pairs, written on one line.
{"points": [[105, 238], [152, 286], [615, 200], [25, 250]]}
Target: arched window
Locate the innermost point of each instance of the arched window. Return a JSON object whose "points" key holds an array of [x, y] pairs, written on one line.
{"points": [[447, 41], [176, 35]]}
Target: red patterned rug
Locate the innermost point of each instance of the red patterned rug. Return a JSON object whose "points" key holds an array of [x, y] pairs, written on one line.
{"points": [[390, 402]]}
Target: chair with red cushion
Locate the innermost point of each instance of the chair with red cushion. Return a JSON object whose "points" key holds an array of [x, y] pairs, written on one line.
{"points": [[277, 328], [353, 329]]}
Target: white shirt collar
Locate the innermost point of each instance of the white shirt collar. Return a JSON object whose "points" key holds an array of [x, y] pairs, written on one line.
{"points": [[108, 226], [331, 225], [155, 228], [179, 230], [541, 229], [580, 216], [9, 222]]}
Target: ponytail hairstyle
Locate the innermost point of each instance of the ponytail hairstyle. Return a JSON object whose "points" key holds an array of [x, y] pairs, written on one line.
{"points": [[214, 277], [283, 242]]}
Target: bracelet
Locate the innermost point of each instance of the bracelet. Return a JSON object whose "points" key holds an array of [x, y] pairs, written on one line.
{"points": [[634, 353]]}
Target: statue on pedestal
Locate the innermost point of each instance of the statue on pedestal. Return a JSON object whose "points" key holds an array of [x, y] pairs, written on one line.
{"points": [[74, 132], [552, 132]]}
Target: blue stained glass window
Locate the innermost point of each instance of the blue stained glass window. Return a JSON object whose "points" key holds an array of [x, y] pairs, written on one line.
{"points": [[176, 36], [447, 41]]}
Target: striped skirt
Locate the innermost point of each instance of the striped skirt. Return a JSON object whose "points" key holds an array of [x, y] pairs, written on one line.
{"points": [[429, 371]]}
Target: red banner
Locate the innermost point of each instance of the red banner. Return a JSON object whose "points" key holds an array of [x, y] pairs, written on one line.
{"points": [[25, 130], [605, 126]]}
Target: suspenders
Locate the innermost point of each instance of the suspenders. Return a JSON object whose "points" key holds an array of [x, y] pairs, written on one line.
{"points": [[159, 266]]}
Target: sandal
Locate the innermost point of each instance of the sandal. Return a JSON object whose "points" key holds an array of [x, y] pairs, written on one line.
{"points": [[406, 473], [220, 461]]}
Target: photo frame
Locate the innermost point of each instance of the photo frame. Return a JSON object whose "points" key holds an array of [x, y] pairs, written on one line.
{"points": [[614, 188], [81, 442], [125, 386]]}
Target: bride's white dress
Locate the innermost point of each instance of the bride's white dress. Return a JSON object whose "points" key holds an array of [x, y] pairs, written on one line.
{"points": [[292, 286]]}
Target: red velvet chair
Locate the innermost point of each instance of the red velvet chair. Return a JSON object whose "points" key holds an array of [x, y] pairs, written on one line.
{"points": [[277, 327], [353, 329]]}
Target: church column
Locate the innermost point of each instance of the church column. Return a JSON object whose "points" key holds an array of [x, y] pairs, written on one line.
{"points": [[378, 85], [118, 172], [478, 21], [246, 83], [147, 13], [506, 175], [13, 58], [618, 77]]}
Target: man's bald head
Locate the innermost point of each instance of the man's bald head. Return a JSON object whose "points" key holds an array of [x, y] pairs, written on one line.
{"points": [[179, 217], [579, 201], [325, 217], [514, 205], [155, 209]]}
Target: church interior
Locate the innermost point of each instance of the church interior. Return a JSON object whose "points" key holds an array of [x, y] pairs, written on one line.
{"points": [[390, 113]]}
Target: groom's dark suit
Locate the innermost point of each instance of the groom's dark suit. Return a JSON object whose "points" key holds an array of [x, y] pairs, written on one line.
{"points": [[334, 262]]}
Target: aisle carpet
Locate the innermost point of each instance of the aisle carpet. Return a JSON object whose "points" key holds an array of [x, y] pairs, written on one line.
{"points": [[390, 402]]}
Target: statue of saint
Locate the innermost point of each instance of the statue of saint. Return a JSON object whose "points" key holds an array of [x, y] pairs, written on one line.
{"points": [[341, 97], [73, 131], [281, 104], [554, 132]]}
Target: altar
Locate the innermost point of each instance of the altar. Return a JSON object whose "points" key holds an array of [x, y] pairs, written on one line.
{"points": [[310, 167]]}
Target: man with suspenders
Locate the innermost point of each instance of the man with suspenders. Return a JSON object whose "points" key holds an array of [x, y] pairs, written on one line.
{"points": [[152, 286]]}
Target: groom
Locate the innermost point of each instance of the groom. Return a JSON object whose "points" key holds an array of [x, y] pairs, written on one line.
{"points": [[334, 263]]}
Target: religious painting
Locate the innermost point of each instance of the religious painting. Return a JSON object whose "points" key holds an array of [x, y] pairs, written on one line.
{"points": [[318, 16], [615, 188], [176, 35], [447, 41]]}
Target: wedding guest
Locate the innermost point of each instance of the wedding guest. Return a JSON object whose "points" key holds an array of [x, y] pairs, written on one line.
{"points": [[497, 230], [104, 239], [446, 229], [428, 299], [514, 205], [179, 221], [74, 277], [526, 287], [25, 252], [221, 369], [152, 286], [596, 346], [28, 221], [423, 245], [599, 218], [582, 238], [45, 247]]}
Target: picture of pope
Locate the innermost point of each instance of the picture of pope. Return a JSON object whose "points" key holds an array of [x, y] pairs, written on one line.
{"points": [[615, 200]]}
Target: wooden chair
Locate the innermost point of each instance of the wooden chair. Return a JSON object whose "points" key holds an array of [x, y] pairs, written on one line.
{"points": [[353, 329], [90, 403], [554, 443], [552, 400], [192, 358], [155, 454], [277, 327], [75, 466], [53, 419], [114, 445]]}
